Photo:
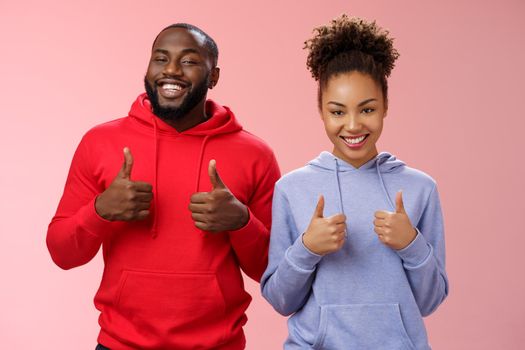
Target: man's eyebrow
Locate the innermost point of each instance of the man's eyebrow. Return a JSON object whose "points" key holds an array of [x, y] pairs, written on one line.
{"points": [[188, 50], [166, 52]]}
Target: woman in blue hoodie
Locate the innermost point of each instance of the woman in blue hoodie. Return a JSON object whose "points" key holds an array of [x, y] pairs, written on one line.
{"points": [[357, 252]]}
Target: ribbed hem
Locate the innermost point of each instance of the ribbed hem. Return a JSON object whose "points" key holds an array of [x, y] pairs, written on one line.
{"points": [[416, 253], [238, 342], [249, 233], [300, 256]]}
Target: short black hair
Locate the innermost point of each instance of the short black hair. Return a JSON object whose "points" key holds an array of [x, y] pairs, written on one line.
{"points": [[351, 44], [209, 43]]}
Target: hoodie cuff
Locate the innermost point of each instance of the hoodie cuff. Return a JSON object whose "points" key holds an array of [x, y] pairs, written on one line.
{"points": [[93, 223], [416, 253], [300, 256], [249, 233]]}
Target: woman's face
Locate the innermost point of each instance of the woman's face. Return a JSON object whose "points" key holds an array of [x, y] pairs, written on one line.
{"points": [[352, 109]]}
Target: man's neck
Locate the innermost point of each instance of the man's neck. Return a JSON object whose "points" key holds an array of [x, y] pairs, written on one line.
{"points": [[194, 117]]}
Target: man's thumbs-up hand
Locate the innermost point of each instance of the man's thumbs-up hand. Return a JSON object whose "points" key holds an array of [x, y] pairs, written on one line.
{"points": [[395, 229], [215, 179], [325, 235], [217, 210], [124, 199]]}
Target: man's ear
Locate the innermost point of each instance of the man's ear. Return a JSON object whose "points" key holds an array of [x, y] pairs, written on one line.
{"points": [[214, 77]]}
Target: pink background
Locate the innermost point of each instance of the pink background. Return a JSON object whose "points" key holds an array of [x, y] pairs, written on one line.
{"points": [[456, 112]]}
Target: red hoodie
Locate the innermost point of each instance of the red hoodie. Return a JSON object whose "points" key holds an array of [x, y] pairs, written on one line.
{"points": [[167, 284]]}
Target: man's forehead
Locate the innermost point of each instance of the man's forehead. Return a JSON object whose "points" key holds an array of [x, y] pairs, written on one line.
{"points": [[180, 35]]}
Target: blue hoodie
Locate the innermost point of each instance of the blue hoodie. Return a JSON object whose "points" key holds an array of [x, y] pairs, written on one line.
{"points": [[366, 295]]}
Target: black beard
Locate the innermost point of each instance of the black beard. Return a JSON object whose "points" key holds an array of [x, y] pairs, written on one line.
{"points": [[195, 95]]}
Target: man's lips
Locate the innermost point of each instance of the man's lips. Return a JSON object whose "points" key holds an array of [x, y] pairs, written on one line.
{"points": [[170, 88], [354, 141]]}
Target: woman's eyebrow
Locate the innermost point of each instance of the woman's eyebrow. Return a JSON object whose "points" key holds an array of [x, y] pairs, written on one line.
{"points": [[366, 101], [336, 103]]}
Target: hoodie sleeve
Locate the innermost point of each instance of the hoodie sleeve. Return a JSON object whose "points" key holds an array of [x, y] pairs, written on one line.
{"points": [[424, 258], [76, 231], [251, 241], [287, 281]]}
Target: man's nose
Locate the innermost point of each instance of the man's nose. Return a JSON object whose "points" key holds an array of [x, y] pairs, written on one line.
{"points": [[172, 68]]}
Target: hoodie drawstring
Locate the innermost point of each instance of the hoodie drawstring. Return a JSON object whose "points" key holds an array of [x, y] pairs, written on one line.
{"points": [[155, 184], [199, 165], [383, 186], [338, 183], [339, 192]]}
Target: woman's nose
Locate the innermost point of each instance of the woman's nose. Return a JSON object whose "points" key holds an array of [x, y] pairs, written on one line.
{"points": [[352, 123]]}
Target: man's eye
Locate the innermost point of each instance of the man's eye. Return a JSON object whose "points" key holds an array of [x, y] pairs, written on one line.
{"points": [[160, 59], [188, 61]]}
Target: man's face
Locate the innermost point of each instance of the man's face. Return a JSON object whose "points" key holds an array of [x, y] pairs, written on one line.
{"points": [[179, 73]]}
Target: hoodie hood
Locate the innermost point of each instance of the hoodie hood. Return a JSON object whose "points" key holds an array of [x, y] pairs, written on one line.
{"points": [[221, 121], [384, 162]]}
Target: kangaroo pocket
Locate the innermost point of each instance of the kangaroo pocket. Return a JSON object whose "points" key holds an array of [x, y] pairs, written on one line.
{"points": [[158, 304], [362, 326]]}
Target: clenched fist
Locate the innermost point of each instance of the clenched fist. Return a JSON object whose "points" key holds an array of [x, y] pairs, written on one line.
{"points": [[124, 199]]}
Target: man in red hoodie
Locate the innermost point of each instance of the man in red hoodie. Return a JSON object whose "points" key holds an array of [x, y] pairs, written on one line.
{"points": [[174, 234]]}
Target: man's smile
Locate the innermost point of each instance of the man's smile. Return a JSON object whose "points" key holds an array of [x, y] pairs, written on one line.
{"points": [[169, 88]]}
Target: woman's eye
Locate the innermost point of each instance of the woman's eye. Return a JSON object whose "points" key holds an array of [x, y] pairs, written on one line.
{"points": [[367, 110], [337, 113]]}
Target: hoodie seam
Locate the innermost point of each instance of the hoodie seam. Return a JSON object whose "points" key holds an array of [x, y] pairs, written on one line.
{"points": [[285, 197], [426, 203], [266, 166]]}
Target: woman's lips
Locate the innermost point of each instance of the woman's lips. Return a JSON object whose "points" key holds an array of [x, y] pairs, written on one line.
{"points": [[355, 142]]}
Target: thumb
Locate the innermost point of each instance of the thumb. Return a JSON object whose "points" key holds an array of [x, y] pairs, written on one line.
{"points": [[215, 179], [125, 171], [400, 207], [318, 213]]}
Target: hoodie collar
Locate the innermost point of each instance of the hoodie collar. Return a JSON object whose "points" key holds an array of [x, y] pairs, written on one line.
{"points": [[385, 161], [221, 121]]}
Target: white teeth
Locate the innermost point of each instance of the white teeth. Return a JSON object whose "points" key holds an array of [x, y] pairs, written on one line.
{"points": [[354, 140], [171, 87]]}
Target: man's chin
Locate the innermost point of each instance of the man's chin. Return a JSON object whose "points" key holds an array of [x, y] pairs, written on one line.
{"points": [[167, 113], [172, 105], [173, 102]]}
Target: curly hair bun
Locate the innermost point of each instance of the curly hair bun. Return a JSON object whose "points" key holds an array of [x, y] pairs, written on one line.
{"points": [[346, 36]]}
